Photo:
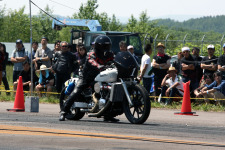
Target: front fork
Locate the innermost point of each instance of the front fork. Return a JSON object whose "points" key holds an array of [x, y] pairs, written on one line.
{"points": [[126, 92]]}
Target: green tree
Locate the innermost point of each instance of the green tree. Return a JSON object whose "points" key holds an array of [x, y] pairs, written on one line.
{"points": [[16, 26], [42, 26]]}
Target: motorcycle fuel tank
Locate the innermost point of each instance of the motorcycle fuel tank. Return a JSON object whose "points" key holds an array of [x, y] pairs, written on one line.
{"points": [[108, 75]]}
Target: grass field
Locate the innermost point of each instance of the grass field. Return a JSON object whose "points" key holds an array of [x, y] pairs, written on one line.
{"points": [[54, 99]]}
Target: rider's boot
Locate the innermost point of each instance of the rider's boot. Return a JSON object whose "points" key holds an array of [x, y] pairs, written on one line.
{"points": [[62, 116], [110, 119]]}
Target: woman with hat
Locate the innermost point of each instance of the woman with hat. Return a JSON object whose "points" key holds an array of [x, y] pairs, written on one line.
{"points": [[172, 86], [46, 80], [160, 64]]}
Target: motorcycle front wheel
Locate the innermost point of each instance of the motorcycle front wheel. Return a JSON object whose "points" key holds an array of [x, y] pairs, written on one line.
{"points": [[139, 112], [75, 114]]}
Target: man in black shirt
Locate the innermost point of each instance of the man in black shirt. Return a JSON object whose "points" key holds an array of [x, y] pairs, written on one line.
{"points": [[188, 69], [221, 63], [198, 59], [160, 64], [26, 77], [209, 63], [63, 66]]}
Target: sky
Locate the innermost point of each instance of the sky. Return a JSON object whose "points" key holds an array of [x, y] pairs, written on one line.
{"points": [[175, 9]]}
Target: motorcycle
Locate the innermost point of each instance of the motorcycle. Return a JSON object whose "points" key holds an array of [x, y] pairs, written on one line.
{"points": [[115, 91]]}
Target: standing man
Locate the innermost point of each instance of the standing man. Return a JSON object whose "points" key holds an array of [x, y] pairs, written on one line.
{"points": [[18, 57], [43, 55], [123, 46], [221, 63], [35, 47], [130, 49], [160, 63], [198, 59], [209, 63], [63, 67], [188, 69], [145, 68]]}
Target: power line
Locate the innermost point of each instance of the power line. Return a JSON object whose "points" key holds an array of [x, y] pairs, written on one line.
{"points": [[62, 5], [47, 13]]}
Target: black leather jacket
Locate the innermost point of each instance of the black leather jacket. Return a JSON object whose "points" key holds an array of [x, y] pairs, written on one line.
{"points": [[65, 63], [94, 65]]}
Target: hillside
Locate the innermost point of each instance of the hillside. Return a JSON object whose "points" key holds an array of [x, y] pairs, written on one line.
{"points": [[204, 24]]}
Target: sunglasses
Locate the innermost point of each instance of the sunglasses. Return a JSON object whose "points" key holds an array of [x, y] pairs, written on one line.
{"points": [[185, 52], [64, 46]]}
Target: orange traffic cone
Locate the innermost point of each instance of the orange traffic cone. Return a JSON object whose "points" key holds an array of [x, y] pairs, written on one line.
{"points": [[19, 99], [186, 104]]}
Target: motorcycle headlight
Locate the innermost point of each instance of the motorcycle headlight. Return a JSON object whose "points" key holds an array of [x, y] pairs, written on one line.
{"points": [[97, 87]]}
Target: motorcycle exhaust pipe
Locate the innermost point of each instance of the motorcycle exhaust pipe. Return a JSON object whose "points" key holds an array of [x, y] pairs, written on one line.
{"points": [[101, 112]]}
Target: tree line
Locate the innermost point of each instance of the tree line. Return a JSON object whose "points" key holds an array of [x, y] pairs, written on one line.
{"points": [[15, 24]]}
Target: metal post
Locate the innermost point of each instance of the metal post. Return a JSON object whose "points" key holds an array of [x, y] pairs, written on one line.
{"points": [[166, 40], [31, 58], [146, 37], [202, 44], [155, 42], [221, 43], [184, 40]]}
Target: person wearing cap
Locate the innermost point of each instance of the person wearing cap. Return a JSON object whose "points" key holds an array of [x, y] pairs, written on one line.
{"points": [[43, 56], [160, 64], [130, 49], [198, 59], [46, 80], [221, 63], [172, 86], [209, 63], [188, 69], [123, 46], [146, 67], [17, 58], [26, 77]]}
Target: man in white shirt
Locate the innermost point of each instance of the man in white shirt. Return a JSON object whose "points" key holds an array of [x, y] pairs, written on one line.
{"points": [[145, 68], [172, 86]]}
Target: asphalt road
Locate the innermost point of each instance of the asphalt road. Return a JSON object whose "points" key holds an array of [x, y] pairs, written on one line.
{"points": [[163, 130]]}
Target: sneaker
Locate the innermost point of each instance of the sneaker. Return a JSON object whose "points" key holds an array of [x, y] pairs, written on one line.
{"points": [[62, 116], [110, 119]]}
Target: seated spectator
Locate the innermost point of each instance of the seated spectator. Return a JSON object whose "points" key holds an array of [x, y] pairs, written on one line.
{"points": [[216, 89], [172, 86], [46, 80], [208, 78], [26, 77]]}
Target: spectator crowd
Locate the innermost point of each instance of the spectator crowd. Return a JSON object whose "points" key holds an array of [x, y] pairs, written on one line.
{"points": [[51, 68]]}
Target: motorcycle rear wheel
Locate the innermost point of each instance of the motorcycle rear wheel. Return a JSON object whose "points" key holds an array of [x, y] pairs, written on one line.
{"points": [[140, 111], [75, 114]]}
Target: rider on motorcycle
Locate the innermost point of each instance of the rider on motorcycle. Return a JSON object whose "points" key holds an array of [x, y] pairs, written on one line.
{"points": [[95, 62]]}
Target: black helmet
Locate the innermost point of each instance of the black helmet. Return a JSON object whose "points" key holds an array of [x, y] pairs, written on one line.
{"points": [[102, 45]]}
